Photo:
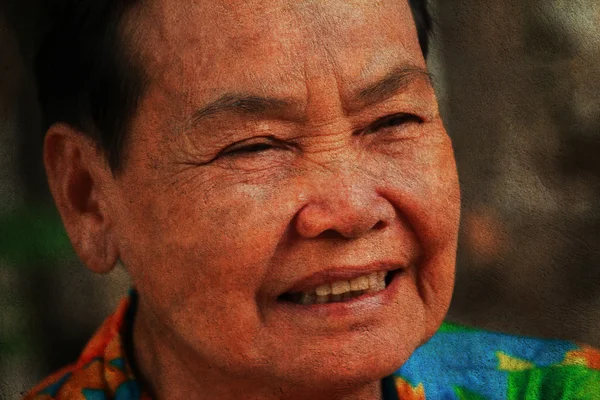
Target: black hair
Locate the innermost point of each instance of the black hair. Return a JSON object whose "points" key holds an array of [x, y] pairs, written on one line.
{"points": [[423, 22], [87, 74]]}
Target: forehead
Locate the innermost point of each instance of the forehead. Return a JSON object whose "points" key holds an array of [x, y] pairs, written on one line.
{"points": [[206, 47]]}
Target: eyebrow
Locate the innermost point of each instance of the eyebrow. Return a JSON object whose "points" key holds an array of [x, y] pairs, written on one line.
{"points": [[244, 104], [394, 82]]}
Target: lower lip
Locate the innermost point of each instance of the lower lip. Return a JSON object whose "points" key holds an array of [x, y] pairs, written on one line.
{"points": [[355, 306]]}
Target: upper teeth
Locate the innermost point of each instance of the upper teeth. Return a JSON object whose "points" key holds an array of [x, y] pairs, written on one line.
{"points": [[369, 283]]}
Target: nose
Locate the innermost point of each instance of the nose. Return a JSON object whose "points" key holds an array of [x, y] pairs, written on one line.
{"points": [[344, 206]]}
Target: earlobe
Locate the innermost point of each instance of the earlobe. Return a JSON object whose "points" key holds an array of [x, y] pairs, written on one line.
{"points": [[93, 244], [78, 180]]}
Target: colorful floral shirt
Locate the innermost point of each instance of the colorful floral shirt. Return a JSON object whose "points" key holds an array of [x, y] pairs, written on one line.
{"points": [[461, 363], [458, 363]]}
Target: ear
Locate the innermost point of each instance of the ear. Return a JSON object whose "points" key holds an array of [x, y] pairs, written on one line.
{"points": [[79, 180]]}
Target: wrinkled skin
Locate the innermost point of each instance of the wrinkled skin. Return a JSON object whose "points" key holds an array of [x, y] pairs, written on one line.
{"points": [[211, 236]]}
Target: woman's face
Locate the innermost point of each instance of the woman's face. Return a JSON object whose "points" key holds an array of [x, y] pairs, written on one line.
{"points": [[282, 146]]}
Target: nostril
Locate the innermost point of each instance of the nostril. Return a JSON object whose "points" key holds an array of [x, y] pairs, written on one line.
{"points": [[330, 234], [379, 225]]}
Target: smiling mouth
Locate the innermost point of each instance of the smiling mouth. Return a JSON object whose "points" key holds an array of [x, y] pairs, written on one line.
{"points": [[343, 290]]}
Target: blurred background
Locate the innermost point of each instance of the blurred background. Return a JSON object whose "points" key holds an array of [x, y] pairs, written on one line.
{"points": [[518, 83]]}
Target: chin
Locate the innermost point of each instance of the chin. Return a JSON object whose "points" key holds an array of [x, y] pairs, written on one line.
{"points": [[349, 365]]}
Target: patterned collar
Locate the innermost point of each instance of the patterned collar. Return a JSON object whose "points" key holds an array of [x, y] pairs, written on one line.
{"points": [[102, 370]]}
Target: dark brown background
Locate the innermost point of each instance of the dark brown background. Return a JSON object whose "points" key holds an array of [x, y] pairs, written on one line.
{"points": [[518, 82]]}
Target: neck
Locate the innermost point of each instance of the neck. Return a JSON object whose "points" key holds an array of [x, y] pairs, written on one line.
{"points": [[169, 370]]}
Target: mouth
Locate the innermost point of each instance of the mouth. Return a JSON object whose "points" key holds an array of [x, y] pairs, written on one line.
{"points": [[343, 290]]}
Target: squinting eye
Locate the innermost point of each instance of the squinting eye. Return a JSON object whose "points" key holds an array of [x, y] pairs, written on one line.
{"points": [[249, 149], [393, 121], [252, 148]]}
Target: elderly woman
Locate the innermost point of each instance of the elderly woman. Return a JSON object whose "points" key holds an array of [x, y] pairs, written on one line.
{"points": [[277, 181]]}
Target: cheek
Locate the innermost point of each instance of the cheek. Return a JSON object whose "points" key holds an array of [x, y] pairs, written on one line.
{"points": [[423, 186], [427, 183], [208, 246]]}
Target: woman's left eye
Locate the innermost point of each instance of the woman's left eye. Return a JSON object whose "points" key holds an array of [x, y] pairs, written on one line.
{"points": [[393, 121]]}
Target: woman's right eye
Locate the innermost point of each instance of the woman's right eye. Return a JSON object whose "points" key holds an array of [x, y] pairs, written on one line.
{"points": [[249, 149]]}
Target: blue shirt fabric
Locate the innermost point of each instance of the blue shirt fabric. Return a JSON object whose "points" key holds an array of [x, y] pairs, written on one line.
{"points": [[461, 363]]}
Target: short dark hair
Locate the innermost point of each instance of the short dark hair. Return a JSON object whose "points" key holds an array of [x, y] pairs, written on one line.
{"points": [[87, 74], [423, 22]]}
